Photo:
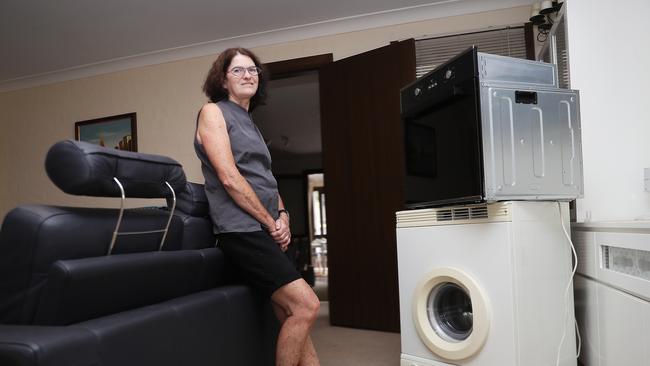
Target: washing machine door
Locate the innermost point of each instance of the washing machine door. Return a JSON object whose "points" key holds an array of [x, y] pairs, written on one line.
{"points": [[451, 314]]}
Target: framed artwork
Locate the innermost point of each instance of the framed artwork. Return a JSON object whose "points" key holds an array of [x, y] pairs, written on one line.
{"points": [[117, 132]]}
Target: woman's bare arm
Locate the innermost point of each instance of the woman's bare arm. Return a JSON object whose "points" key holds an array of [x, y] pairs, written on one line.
{"points": [[212, 133]]}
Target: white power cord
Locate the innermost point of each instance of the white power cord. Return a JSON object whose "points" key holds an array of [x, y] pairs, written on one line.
{"points": [[566, 294]]}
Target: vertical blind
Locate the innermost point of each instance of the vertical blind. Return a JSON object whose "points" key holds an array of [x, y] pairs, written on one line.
{"points": [[432, 52]]}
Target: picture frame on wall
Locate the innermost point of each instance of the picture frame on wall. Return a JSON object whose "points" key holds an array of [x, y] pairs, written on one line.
{"points": [[118, 132]]}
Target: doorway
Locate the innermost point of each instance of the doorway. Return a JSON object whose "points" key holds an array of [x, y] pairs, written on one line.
{"points": [[290, 124]]}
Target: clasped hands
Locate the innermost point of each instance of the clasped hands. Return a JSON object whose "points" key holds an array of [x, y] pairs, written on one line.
{"points": [[281, 234]]}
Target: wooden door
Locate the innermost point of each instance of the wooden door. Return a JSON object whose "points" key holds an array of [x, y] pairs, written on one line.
{"points": [[363, 162]]}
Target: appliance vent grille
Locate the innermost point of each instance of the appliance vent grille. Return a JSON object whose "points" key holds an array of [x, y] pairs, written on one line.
{"points": [[445, 215], [479, 212], [467, 214], [628, 261], [463, 213]]}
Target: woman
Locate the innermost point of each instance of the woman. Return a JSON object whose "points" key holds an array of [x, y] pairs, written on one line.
{"points": [[249, 218]]}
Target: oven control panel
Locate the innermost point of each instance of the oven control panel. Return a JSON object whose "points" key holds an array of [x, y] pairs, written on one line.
{"points": [[441, 84]]}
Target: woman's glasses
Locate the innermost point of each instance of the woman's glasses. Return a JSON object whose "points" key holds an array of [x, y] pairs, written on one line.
{"points": [[240, 71]]}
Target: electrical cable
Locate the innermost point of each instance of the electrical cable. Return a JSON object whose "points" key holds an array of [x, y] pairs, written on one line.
{"points": [[566, 293]]}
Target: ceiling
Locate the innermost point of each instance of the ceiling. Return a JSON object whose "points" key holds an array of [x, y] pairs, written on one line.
{"points": [[43, 37], [45, 41]]}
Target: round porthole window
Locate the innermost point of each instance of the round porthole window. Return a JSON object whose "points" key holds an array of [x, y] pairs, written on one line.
{"points": [[450, 314], [449, 310]]}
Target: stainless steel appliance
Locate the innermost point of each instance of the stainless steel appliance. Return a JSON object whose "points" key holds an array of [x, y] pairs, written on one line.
{"points": [[490, 128]]}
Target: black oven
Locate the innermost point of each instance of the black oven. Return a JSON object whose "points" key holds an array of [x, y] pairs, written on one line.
{"points": [[490, 128], [442, 135]]}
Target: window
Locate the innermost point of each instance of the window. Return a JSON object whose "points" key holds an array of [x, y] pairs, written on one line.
{"points": [[431, 52]]}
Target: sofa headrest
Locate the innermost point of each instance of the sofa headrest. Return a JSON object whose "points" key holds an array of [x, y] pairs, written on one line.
{"points": [[85, 169], [191, 200]]}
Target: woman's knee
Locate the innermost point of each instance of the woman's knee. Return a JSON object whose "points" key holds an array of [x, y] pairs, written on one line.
{"points": [[309, 307], [313, 305], [298, 299]]}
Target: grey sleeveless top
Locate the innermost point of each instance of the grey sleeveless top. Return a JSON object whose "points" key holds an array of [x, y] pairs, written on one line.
{"points": [[253, 160]]}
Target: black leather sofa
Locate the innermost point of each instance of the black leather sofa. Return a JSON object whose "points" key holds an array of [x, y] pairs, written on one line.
{"points": [[157, 299]]}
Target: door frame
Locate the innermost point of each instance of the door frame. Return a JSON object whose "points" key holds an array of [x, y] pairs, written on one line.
{"points": [[293, 67]]}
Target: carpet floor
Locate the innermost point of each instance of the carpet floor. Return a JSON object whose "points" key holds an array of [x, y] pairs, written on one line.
{"points": [[339, 346]]}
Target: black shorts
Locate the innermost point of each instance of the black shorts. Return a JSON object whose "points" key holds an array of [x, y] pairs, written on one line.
{"points": [[259, 260]]}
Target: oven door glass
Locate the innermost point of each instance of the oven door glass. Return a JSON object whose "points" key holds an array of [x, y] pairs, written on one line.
{"points": [[444, 163]]}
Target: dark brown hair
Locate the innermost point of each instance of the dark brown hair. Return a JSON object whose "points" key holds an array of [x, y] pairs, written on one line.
{"points": [[213, 86]]}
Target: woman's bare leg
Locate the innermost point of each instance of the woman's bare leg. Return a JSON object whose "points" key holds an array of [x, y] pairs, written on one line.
{"points": [[296, 306]]}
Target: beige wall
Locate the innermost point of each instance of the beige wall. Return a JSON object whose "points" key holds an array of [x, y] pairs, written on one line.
{"points": [[166, 98]]}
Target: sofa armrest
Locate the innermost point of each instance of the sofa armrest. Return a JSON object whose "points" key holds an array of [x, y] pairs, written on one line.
{"points": [[22, 345]]}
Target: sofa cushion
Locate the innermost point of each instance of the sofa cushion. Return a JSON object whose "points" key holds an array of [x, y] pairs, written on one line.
{"points": [[37, 346], [197, 231], [229, 325], [83, 289], [248, 317], [81, 168], [215, 270], [150, 336], [191, 200]]}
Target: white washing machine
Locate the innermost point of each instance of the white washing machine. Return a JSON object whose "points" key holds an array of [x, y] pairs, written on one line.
{"points": [[484, 285]]}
